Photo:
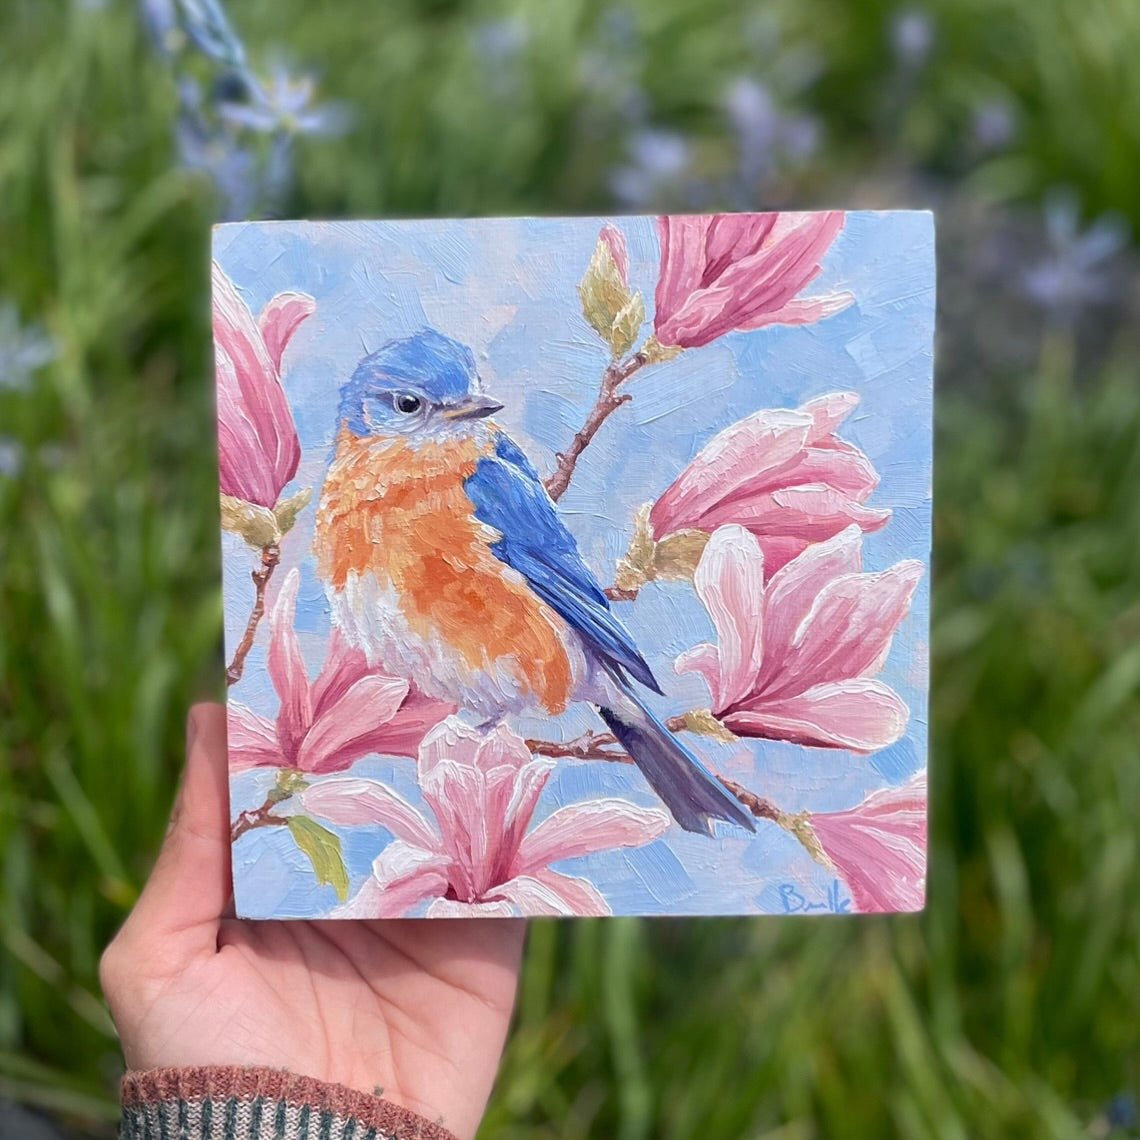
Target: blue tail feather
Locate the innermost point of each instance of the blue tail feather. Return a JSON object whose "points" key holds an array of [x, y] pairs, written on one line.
{"points": [[688, 789]]}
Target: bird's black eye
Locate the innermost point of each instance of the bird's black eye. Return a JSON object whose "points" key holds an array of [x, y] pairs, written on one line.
{"points": [[408, 404]]}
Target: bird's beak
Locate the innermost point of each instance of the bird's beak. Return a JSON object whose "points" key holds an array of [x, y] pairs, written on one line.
{"points": [[471, 408]]}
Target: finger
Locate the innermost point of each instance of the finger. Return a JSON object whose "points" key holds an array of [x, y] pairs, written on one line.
{"points": [[188, 890]]}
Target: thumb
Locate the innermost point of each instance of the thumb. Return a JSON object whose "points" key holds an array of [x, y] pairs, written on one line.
{"points": [[190, 886]]}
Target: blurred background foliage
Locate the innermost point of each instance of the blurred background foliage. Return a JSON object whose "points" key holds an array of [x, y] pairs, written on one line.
{"points": [[1012, 1007]]}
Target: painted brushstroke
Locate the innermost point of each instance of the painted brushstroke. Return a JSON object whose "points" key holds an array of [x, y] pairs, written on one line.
{"points": [[481, 857], [796, 658], [421, 728], [481, 596]]}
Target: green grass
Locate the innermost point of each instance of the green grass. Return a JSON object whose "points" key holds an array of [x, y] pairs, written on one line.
{"points": [[1011, 1007]]}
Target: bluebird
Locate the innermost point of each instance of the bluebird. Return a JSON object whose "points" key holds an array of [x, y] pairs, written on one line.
{"points": [[444, 559]]}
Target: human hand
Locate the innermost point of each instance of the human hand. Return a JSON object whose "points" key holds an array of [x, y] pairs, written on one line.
{"points": [[416, 1009]]}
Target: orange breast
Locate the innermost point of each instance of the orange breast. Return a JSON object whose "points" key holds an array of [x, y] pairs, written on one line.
{"points": [[400, 513]]}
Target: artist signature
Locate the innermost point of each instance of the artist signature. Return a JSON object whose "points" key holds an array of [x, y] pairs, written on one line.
{"points": [[796, 902]]}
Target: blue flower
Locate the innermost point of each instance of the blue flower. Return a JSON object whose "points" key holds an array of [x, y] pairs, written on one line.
{"points": [[23, 350], [994, 124], [284, 104], [658, 159], [766, 136], [219, 155], [207, 25], [1076, 271], [912, 37]]}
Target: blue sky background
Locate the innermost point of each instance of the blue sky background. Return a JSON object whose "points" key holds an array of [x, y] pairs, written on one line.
{"points": [[507, 287]]}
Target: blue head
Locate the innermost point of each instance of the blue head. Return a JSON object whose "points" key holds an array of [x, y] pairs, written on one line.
{"points": [[419, 386]]}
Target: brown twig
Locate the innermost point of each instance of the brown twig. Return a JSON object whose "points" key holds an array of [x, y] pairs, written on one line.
{"points": [[608, 402], [757, 805], [617, 594], [257, 817], [270, 556], [589, 746]]}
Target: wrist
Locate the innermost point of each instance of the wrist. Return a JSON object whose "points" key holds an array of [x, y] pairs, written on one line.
{"points": [[219, 1102]]}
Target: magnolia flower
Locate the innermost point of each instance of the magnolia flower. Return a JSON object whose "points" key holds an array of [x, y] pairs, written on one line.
{"points": [[478, 858], [796, 657], [257, 440], [879, 847], [326, 725], [741, 271], [785, 475]]}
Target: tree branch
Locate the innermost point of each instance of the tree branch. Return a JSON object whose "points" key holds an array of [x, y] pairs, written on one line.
{"points": [[608, 402], [270, 556], [589, 746], [257, 817]]}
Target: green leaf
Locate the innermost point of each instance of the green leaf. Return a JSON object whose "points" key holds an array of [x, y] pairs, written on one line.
{"points": [[604, 293], [287, 510], [324, 852], [627, 324], [657, 353], [256, 524]]}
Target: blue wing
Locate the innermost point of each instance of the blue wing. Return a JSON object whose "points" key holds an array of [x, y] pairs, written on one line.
{"points": [[508, 495]]}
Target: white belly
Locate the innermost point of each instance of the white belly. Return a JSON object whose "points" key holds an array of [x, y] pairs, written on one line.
{"points": [[370, 618]]}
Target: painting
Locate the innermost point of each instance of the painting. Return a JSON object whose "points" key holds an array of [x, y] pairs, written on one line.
{"points": [[576, 566]]}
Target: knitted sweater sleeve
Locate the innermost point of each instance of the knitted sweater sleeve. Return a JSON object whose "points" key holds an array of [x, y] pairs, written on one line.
{"points": [[231, 1103]]}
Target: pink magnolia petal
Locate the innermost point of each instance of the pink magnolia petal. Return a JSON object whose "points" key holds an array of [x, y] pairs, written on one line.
{"points": [[452, 908], [879, 847], [524, 799], [242, 468], [501, 747], [793, 589], [682, 238], [251, 740], [418, 715], [756, 288], [844, 469], [703, 659], [456, 793], [451, 739], [279, 320], [344, 666], [827, 413], [259, 393], [739, 271], [860, 715], [779, 550], [580, 896], [740, 456], [402, 876], [536, 898], [811, 513], [581, 829], [848, 631], [615, 239], [731, 238], [695, 310], [729, 580], [354, 727], [287, 668], [354, 802], [802, 311]]}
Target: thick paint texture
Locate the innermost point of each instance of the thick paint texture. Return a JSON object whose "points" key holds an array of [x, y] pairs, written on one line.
{"points": [[400, 514], [776, 473]]}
